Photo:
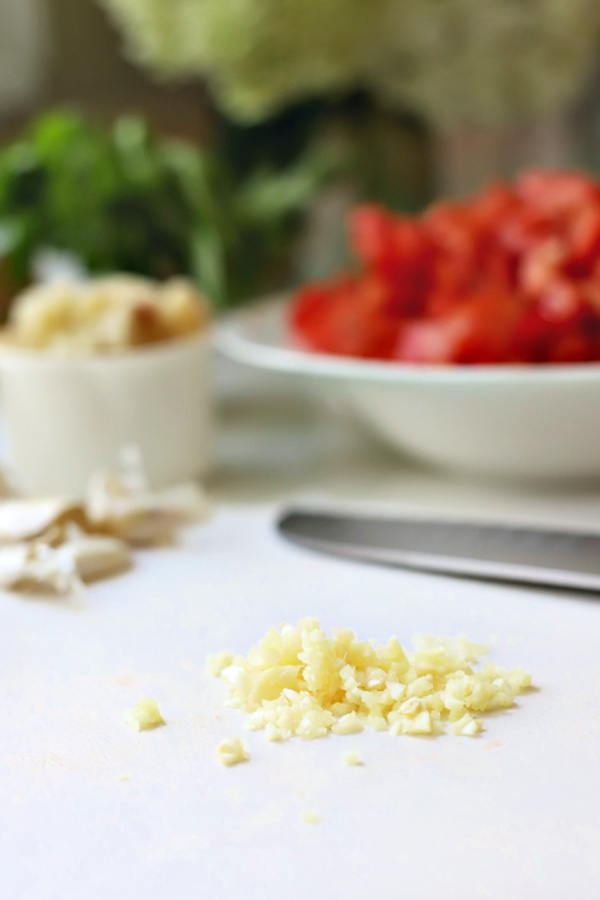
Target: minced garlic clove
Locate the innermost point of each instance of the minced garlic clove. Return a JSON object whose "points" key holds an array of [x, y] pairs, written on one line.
{"points": [[352, 758], [232, 751], [298, 681], [466, 726], [145, 715], [310, 817], [217, 662]]}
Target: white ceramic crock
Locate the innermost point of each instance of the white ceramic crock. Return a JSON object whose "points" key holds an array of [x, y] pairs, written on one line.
{"points": [[65, 418]]}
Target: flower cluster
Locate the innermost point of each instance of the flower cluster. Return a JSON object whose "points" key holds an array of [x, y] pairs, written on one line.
{"points": [[485, 60], [447, 59]]}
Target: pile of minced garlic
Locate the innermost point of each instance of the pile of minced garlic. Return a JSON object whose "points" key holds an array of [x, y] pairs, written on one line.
{"points": [[300, 682]]}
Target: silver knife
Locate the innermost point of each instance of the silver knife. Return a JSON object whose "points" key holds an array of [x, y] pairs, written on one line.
{"points": [[555, 558]]}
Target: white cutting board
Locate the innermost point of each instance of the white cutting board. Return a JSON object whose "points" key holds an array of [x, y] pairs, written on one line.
{"points": [[511, 815]]}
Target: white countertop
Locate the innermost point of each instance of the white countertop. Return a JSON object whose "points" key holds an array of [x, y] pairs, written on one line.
{"points": [[510, 815]]}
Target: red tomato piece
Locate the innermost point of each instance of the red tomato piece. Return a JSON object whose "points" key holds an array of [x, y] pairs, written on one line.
{"points": [[348, 317], [521, 230], [572, 347], [492, 204], [561, 301], [582, 240], [397, 250], [555, 192], [480, 330], [451, 229], [541, 266], [539, 341]]}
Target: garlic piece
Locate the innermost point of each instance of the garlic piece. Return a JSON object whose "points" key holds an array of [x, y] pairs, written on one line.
{"points": [[232, 751], [352, 758], [299, 681], [144, 715], [310, 817], [218, 662]]}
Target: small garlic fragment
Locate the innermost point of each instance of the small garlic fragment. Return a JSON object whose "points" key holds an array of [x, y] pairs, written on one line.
{"points": [[310, 817], [216, 663], [352, 758], [232, 751], [467, 726], [144, 715]]}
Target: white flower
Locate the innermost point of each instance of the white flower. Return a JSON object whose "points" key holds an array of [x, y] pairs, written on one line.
{"points": [[446, 59]]}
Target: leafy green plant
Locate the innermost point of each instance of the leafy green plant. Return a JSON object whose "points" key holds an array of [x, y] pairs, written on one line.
{"points": [[124, 199]]}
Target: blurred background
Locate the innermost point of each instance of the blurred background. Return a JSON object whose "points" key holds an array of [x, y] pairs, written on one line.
{"points": [[225, 140]]}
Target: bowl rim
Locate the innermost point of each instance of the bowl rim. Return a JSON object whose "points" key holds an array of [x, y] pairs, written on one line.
{"points": [[236, 337], [128, 356]]}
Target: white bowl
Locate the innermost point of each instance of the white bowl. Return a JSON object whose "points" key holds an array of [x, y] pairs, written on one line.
{"points": [[518, 422], [64, 418]]}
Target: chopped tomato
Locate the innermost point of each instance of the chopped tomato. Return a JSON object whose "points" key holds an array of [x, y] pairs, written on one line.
{"points": [[479, 330], [542, 265], [582, 240], [560, 301], [556, 193], [398, 250], [349, 318], [510, 275]]}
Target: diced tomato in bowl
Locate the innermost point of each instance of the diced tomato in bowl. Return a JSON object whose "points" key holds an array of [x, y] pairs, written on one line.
{"points": [[511, 275], [468, 336]]}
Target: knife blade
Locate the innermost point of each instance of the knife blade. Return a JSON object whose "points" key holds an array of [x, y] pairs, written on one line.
{"points": [[538, 556]]}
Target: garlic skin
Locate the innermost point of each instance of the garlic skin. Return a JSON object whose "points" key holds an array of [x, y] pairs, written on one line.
{"points": [[41, 567], [29, 518], [36, 568], [53, 545], [95, 557], [139, 516]]}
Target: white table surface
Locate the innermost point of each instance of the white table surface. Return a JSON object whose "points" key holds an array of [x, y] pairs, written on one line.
{"points": [[511, 815]]}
